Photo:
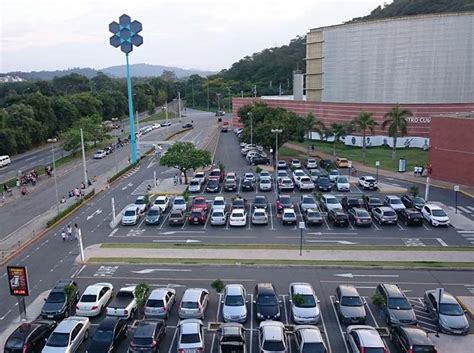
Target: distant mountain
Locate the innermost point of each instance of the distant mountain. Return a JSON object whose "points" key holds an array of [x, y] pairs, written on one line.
{"points": [[138, 70]]}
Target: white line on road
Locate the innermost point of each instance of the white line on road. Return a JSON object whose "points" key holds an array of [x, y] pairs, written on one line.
{"points": [[372, 314], [466, 231], [6, 314], [351, 275], [177, 241], [152, 270], [338, 323], [113, 232], [78, 271], [172, 346], [464, 209], [251, 324], [441, 241]]}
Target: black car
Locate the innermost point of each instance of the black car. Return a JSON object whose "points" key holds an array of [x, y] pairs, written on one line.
{"points": [[351, 202], [108, 336], [410, 216], [58, 305], [371, 202], [324, 184], [259, 160], [212, 185], [326, 164], [338, 218], [247, 185], [230, 185], [267, 305], [188, 126], [413, 201], [29, 337], [411, 339], [153, 216], [260, 202], [147, 336]]}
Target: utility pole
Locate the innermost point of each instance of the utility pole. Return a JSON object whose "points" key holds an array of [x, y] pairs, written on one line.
{"points": [[208, 96], [166, 110], [276, 132], [279, 90], [83, 158], [255, 90], [241, 94], [251, 127], [179, 106], [55, 180], [218, 102], [192, 90]]}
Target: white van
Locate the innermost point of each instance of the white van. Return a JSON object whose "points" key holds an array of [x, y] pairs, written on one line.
{"points": [[4, 161]]}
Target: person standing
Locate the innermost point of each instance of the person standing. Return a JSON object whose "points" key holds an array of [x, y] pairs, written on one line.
{"points": [[63, 235], [175, 179], [69, 232]]}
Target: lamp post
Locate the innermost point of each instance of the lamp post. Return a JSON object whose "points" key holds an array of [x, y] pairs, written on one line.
{"points": [[55, 180], [218, 102], [83, 158], [251, 127], [115, 137], [125, 35], [230, 108], [456, 190], [276, 132]]}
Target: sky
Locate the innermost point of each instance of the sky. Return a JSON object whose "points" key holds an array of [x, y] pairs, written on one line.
{"points": [[199, 34]]}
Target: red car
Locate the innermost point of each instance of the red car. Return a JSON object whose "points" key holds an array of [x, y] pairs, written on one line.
{"points": [[199, 203], [283, 201], [197, 216], [217, 175]]}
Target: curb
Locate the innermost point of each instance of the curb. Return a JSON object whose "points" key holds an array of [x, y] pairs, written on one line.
{"points": [[466, 307]]}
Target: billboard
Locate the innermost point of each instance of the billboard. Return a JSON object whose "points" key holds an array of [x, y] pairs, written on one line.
{"points": [[18, 281]]}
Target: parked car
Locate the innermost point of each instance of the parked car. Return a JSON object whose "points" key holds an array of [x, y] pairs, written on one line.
{"points": [[259, 216], [272, 337], [57, 304], [124, 304], [282, 173], [68, 335], [108, 336], [312, 217], [188, 126], [239, 202], [350, 306], [368, 182], [159, 303], [314, 174], [435, 215], [265, 184], [99, 154], [393, 202], [411, 339], [141, 203], [29, 337], [234, 307], [190, 336], [232, 338], [247, 185], [238, 218], [259, 160], [307, 202], [304, 304], [333, 175], [338, 218], [267, 304], [309, 339], [260, 201], [413, 201], [447, 312], [194, 186], [153, 216], [310, 163], [148, 336], [298, 173], [193, 304], [396, 308], [94, 299], [384, 215], [330, 202], [281, 164], [410, 216], [219, 203], [342, 184], [177, 217], [283, 201], [371, 202], [304, 183], [201, 176], [286, 184], [230, 184], [130, 216], [324, 184], [218, 217], [295, 163], [349, 202], [199, 203], [289, 216], [212, 185], [359, 217], [216, 174], [363, 338], [162, 202], [341, 162], [179, 203], [326, 163]]}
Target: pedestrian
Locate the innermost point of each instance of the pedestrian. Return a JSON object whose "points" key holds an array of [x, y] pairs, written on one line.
{"points": [[175, 179], [76, 192], [69, 232], [63, 200], [63, 235], [415, 170], [422, 170], [77, 231], [181, 178]]}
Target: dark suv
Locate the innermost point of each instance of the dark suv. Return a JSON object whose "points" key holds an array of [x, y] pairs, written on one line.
{"points": [[58, 305], [351, 202], [412, 339], [267, 305], [29, 337], [147, 336], [396, 308], [413, 201], [410, 216]]}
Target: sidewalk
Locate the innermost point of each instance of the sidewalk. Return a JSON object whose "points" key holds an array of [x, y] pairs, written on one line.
{"points": [[407, 176]]}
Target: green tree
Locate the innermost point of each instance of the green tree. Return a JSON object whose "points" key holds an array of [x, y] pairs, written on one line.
{"points": [[337, 131], [66, 113], [185, 156], [92, 129], [397, 124], [314, 125], [7, 141], [141, 293], [43, 112], [364, 122], [28, 132], [86, 103]]}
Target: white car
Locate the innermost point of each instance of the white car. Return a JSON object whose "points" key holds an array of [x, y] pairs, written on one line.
{"points": [[265, 184], [330, 202], [295, 163], [94, 299], [159, 303], [311, 163], [333, 175], [194, 185], [363, 338], [281, 174], [99, 154], [342, 184], [68, 335], [201, 176], [162, 202], [234, 308], [238, 218], [435, 215], [272, 337], [289, 216], [141, 204], [249, 176], [309, 339], [219, 203], [298, 173], [218, 217], [368, 182], [179, 203], [190, 336], [305, 183], [304, 303], [281, 164], [130, 216]]}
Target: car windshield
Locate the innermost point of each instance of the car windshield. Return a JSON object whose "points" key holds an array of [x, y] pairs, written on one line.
{"points": [[143, 341], [234, 300], [273, 346], [175, 215], [88, 298], [218, 214], [58, 340], [103, 336], [306, 301], [155, 303], [190, 338], [285, 200], [313, 348], [451, 309], [374, 350], [212, 183], [362, 214], [439, 213], [265, 181], [139, 202], [189, 305], [129, 213], [308, 200], [194, 183], [195, 214], [399, 304], [199, 201], [389, 213], [237, 214], [314, 214], [287, 181], [153, 213], [351, 301], [259, 214], [267, 300], [289, 214], [55, 297], [375, 201], [342, 180], [395, 201], [333, 172], [14, 343], [324, 181], [160, 202], [179, 202], [331, 200], [219, 203], [418, 200]]}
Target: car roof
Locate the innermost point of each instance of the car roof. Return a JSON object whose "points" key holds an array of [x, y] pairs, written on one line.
{"points": [[416, 336], [273, 330], [162, 197], [391, 197], [109, 322], [265, 288], [179, 198], [385, 209], [141, 197], [234, 289], [24, 330], [219, 198], [433, 206], [310, 334], [447, 297], [94, 288], [302, 288], [369, 337], [159, 293], [193, 294], [59, 287], [131, 208], [68, 324], [288, 210], [348, 290], [189, 326], [392, 290], [329, 197], [146, 328]]}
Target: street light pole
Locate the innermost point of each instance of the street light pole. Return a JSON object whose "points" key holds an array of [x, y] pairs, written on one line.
{"points": [[251, 127], [377, 165], [55, 180], [218, 102], [179, 106], [276, 132], [83, 158], [230, 108], [192, 89]]}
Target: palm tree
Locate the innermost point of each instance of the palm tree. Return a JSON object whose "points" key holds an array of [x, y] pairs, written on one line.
{"points": [[313, 125], [397, 124], [338, 131], [361, 123]]}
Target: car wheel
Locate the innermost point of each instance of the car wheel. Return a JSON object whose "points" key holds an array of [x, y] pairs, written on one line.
{"points": [[86, 335], [387, 320], [66, 314]]}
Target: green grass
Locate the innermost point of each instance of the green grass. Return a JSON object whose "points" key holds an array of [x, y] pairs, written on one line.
{"points": [[285, 151], [158, 116], [414, 156]]}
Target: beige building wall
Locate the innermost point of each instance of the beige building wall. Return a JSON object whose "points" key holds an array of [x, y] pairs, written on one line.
{"points": [[314, 65]]}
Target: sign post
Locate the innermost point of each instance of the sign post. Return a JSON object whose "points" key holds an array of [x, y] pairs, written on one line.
{"points": [[456, 190], [377, 165], [350, 170], [18, 284], [301, 226]]}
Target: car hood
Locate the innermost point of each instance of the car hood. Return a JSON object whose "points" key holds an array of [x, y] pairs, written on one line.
{"points": [[98, 347], [268, 310], [454, 322], [235, 310], [129, 218], [152, 218], [403, 314], [52, 307], [305, 312], [352, 311]]}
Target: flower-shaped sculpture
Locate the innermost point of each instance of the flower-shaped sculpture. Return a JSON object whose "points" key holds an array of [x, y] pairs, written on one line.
{"points": [[125, 34]]}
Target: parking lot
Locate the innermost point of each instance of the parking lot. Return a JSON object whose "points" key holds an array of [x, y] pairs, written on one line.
{"points": [[323, 281]]}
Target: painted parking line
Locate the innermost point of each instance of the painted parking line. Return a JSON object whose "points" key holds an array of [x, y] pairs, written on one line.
{"points": [[399, 226], [371, 313], [172, 345], [271, 216], [207, 219], [338, 323], [249, 217], [164, 220], [251, 324]]}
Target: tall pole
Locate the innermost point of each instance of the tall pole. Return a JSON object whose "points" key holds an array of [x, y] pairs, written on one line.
{"points": [[427, 189], [179, 106], [133, 142], [83, 158], [208, 96], [115, 154], [276, 132], [192, 89], [241, 94], [55, 180], [255, 90], [218, 102], [230, 101], [138, 133], [251, 127]]}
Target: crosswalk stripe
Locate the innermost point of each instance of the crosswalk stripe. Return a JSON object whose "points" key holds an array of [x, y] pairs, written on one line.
{"points": [[465, 231], [464, 209], [470, 207]]}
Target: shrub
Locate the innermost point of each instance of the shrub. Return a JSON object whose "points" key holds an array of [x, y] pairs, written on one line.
{"points": [[377, 299], [218, 285]]}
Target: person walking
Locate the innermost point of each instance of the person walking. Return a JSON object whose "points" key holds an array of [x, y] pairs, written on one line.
{"points": [[175, 179], [77, 231], [69, 232], [63, 235]]}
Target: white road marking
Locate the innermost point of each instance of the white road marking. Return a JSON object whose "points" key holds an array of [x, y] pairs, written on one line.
{"points": [[372, 315], [177, 241], [152, 270], [172, 346], [78, 271], [441, 241], [464, 209], [338, 324], [271, 217], [6, 314], [351, 275], [342, 242], [113, 232]]}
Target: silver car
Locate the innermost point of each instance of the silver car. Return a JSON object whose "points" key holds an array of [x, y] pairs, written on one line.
{"points": [[68, 335], [265, 184], [259, 216], [307, 202], [289, 216], [384, 215], [350, 306], [304, 306], [194, 185], [234, 308], [190, 336], [218, 217], [179, 203], [272, 337], [309, 339], [160, 302], [194, 303]]}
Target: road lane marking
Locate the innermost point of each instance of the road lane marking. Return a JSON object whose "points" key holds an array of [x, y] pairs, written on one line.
{"points": [[271, 216], [284, 308], [338, 323], [251, 323], [113, 232], [172, 346], [371, 314], [441, 241]]}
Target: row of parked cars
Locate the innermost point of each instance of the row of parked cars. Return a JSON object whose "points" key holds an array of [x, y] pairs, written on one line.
{"points": [[68, 335]]}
